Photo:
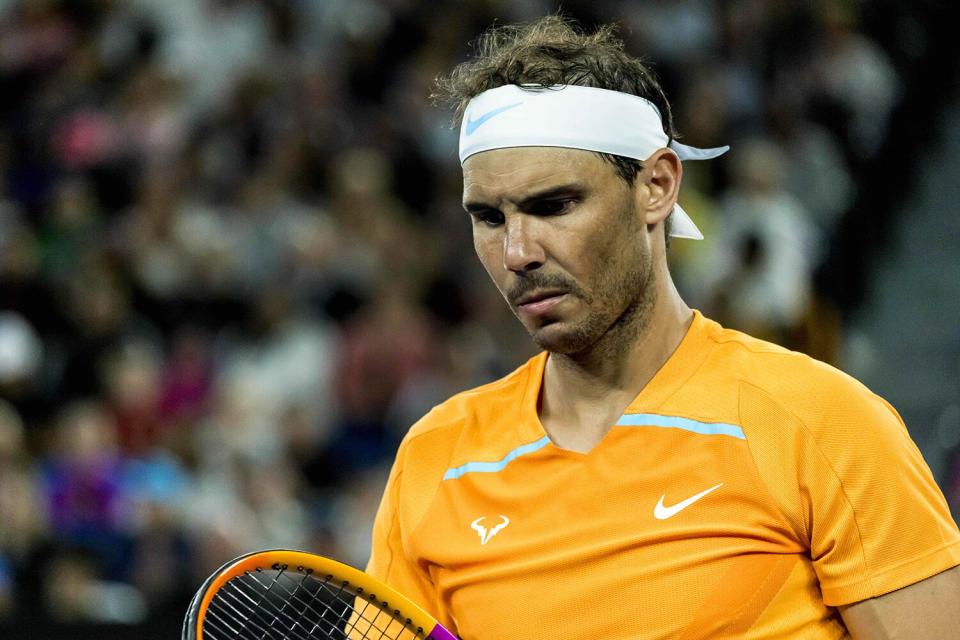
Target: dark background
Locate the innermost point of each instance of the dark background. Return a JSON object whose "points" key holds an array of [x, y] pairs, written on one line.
{"points": [[234, 268]]}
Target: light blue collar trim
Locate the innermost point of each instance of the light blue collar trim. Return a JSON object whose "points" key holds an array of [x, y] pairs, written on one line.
{"points": [[626, 420], [493, 467], [673, 422]]}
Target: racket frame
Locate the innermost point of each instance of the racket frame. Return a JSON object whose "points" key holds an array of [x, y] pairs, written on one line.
{"points": [[392, 602]]}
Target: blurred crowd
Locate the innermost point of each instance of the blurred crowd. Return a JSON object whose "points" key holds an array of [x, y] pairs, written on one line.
{"points": [[234, 268]]}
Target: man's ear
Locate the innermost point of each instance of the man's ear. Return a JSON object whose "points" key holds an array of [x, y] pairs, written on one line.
{"points": [[659, 185]]}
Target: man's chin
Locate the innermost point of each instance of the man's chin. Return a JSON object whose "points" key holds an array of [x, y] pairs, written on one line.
{"points": [[560, 338]]}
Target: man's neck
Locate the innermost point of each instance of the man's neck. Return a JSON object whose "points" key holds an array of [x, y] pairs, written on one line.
{"points": [[583, 395]]}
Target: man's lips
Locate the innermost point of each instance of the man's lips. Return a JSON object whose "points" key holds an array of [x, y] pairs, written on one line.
{"points": [[537, 296], [539, 302]]}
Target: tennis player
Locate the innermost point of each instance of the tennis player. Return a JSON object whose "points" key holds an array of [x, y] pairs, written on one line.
{"points": [[650, 474]]}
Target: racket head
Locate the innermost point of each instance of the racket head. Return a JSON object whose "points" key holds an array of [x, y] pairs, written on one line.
{"points": [[281, 594]]}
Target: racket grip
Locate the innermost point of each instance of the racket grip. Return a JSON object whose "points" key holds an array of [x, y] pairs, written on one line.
{"points": [[439, 633]]}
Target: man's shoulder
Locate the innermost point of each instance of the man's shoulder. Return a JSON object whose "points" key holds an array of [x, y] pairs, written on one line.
{"points": [[480, 404], [809, 389]]}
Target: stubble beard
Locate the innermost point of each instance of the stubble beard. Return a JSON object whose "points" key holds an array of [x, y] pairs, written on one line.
{"points": [[609, 328]]}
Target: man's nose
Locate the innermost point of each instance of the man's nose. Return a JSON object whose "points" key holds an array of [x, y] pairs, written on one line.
{"points": [[522, 250]]}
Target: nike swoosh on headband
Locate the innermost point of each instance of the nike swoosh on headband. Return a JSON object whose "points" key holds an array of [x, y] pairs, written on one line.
{"points": [[473, 125]]}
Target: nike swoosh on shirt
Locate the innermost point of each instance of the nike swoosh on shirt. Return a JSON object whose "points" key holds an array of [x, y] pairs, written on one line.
{"points": [[661, 512], [473, 125]]}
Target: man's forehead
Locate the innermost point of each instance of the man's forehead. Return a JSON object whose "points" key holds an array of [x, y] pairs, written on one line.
{"points": [[514, 171]]}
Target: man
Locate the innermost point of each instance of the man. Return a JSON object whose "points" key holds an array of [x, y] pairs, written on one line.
{"points": [[651, 474]]}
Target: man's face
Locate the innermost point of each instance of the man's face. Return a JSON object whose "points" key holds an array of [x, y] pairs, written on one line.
{"points": [[562, 237]]}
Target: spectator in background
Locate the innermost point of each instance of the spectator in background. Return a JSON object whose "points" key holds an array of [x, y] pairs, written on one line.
{"points": [[761, 272], [21, 354], [853, 75], [84, 493], [24, 525], [815, 172], [131, 383], [72, 230], [157, 491], [74, 591], [97, 302]]}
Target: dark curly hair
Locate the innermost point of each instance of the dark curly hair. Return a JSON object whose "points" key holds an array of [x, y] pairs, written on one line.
{"points": [[550, 51]]}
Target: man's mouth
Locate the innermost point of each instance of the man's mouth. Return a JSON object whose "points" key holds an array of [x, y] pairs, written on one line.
{"points": [[537, 303], [537, 296]]}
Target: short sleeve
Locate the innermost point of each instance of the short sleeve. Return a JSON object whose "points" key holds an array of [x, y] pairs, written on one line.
{"points": [[877, 520], [388, 562], [411, 488]]}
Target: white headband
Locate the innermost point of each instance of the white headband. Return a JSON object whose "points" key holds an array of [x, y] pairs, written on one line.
{"points": [[574, 117]]}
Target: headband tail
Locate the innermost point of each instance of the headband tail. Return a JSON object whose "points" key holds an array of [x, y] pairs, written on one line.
{"points": [[686, 152], [681, 226]]}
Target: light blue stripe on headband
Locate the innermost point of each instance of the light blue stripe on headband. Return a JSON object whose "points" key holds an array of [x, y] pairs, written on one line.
{"points": [[493, 467], [673, 422]]}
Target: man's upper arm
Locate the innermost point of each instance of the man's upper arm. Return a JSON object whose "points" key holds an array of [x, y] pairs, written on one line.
{"points": [[927, 610]]}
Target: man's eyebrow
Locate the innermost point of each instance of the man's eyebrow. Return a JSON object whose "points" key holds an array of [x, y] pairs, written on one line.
{"points": [[564, 190]]}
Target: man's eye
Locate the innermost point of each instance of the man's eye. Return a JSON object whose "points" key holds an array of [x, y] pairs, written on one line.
{"points": [[488, 217], [550, 207]]}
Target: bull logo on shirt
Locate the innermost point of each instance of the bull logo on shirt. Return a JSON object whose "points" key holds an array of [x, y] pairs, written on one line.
{"points": [[484, 533]]}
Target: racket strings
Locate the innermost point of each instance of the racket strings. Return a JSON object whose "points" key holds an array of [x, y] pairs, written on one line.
{"points": [[282, 604], [245, 609], [262, 618]]}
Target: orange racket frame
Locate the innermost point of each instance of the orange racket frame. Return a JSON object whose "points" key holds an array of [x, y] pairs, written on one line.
{"points": [[391, 602]]}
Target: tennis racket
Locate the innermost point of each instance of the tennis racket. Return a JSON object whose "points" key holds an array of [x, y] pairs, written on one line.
{"points": [[293, 595]]}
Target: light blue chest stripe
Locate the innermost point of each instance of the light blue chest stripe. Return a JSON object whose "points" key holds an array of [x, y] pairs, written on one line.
{"points": [[493, 467], [673, 422]]}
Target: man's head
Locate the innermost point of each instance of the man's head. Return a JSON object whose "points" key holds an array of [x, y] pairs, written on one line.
{"points": [[549, 52], [573, 239]]}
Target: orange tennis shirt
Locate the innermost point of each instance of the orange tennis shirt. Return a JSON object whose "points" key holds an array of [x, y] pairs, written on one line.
{"points": [[746, 492]]}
